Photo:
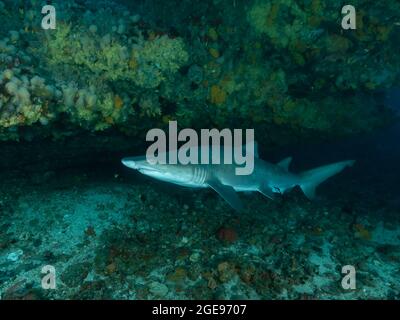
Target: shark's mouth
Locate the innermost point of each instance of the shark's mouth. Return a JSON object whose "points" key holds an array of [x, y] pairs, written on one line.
{"points": [[147, 170]]}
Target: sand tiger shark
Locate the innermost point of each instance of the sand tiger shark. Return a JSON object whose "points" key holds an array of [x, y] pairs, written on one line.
{"points": [[267, 178]]}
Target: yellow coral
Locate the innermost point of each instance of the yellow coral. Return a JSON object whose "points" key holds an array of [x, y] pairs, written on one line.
{"points": [[278, 120], [338, 44], [289, 106], [133, 63], [272, 15], [264, 16], [109, 120], [167, 118], [217, 95], [229, 84], [362, 232], [212, 33], [316, 6], [118, 102], [383, 33], [214, 53], [298, 58]]}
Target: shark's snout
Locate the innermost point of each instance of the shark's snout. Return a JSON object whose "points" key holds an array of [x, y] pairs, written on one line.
{"points": [[137, 163], [130, 163]]}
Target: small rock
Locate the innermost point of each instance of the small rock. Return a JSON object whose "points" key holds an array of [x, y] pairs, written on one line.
{"points": [[194, 257], [184, 240], [90, 231], [111, 268], [135, 18], [227, 235], [226, 271], [178, 276], [93, 28], [212, 284], [195, 74], [158, 289], [75, 274], [14, 256], [223, 266]]}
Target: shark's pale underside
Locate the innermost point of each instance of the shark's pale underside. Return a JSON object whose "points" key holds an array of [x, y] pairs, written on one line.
{"points": [[267, 178]]}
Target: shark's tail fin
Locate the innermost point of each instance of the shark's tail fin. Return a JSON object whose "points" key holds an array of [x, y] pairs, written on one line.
{"points": [[310, 179]]}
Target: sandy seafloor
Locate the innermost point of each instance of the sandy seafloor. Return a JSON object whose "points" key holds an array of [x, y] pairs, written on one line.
{"points": [[114, 234]]}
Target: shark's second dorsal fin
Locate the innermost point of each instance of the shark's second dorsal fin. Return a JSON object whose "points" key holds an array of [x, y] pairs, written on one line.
{"points": [[285, 163]]}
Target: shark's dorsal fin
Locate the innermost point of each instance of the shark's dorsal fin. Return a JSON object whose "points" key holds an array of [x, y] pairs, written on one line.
{"points": [[285, 163], [227, 193]]}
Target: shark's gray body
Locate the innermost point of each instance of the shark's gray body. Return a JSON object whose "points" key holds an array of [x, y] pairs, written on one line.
{"points": [[267, 178]]}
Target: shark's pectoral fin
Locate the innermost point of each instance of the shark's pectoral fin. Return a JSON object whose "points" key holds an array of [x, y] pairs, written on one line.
{"points": [[267, 191], [227, 193]]}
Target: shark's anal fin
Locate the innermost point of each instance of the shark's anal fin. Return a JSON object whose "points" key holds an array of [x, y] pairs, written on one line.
{"points": [[267, 191], [227, 193], [309, 191]]}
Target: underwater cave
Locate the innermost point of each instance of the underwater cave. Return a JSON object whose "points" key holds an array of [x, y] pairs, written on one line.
{"points": [[78, 98]]}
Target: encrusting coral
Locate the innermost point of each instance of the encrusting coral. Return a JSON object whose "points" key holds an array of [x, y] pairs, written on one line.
{"points": [[84, 67], [270, 65]]}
